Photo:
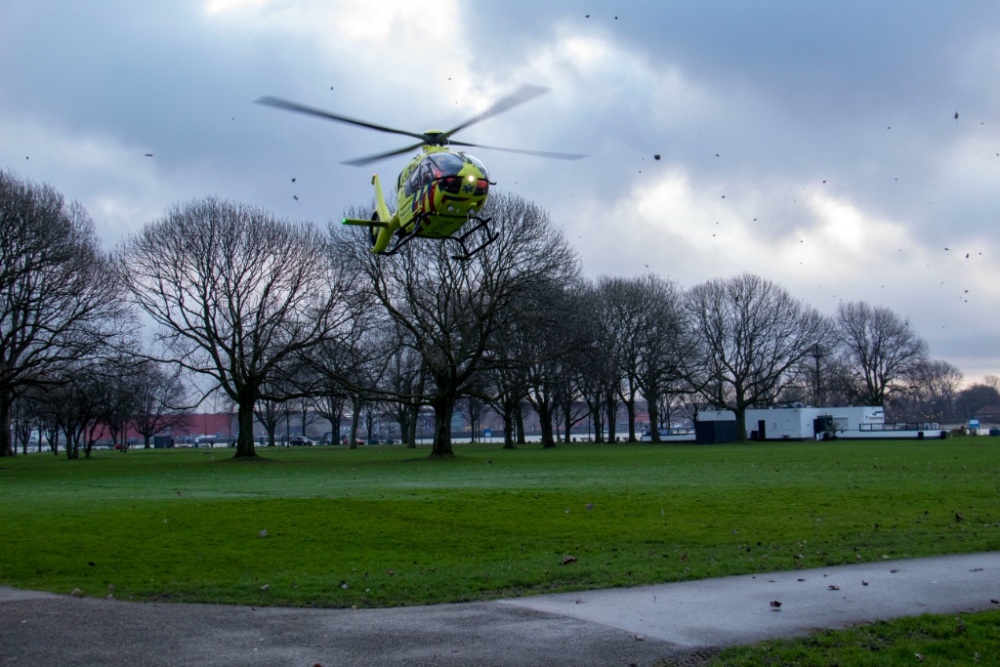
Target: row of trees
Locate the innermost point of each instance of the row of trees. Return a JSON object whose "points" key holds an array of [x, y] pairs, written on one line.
{"points": [[271, 312]]}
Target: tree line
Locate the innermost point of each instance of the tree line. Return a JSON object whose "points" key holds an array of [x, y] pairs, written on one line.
{"points": [[273, 313]]}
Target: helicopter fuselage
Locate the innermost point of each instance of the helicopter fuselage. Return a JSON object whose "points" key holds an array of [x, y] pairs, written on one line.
{"points": [[437, 192]]}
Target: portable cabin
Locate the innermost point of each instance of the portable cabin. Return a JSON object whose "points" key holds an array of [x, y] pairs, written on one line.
{"points": [[800, 422]]}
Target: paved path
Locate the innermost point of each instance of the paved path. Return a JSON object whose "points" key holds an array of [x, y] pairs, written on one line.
{"points": [[635, 626]]}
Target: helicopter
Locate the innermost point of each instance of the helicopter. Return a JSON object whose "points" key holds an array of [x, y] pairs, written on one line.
{"points": [[441, 190]]}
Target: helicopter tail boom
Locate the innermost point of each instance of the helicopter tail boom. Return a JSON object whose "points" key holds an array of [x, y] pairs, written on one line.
{"points": [[364, 223]]}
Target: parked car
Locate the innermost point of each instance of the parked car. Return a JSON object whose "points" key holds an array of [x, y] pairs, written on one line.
{"points": [[299, 441]]}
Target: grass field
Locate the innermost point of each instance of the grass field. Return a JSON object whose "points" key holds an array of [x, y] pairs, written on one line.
{"points": [[941, 640], [381, 526]]}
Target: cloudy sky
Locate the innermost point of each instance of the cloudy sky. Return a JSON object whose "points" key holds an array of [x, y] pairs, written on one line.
{"points": [[813, 143]]}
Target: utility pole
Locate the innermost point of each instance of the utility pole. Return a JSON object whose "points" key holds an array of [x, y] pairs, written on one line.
{"points": [[817, 353]]}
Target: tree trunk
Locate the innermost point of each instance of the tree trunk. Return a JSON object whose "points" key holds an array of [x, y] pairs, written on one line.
{"points": [[653, 408], [444, 407], [741, 422], [411, 435], [630, 408], [508, 433], [352, 437], [545, 423], [612, 408], [72, 444], [6, 399], [519, 423], [145, 442], [244, 439], [569, 421], [404, 422], [598, 421]]}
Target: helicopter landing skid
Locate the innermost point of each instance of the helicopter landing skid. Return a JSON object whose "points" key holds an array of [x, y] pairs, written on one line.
{"points": [[490, 238], [402, 240]]}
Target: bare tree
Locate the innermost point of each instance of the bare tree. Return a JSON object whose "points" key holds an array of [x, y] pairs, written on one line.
{"points": [[974, 397], [593, 370], [552, 334], [236, 293], [452, 308], [404, 382], [160, 401], [58, 298], [664, 342], [78, 404], [119, 376], [623, 302], [752, 334], [338, 369], [930, 394], [605, 371], [268, 411], [881, 351], [24, 419]]}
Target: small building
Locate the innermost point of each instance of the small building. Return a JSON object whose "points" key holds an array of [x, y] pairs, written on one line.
{"points": [[988, 414], [807, 423], [163, 442], [801, 422]]}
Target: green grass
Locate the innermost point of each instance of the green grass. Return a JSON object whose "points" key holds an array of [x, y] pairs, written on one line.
{"points": [[939, 640], [397, 531]]}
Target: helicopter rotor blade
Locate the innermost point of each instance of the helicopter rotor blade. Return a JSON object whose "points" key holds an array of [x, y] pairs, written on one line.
{"points": [[522, 151], [319, 113], [517, 98], [362, 161]]}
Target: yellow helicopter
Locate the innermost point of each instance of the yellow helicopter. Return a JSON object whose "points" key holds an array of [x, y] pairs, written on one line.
{"points": [[440, 190]]}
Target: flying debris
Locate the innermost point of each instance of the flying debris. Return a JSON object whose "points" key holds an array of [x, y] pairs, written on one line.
{"points": [[295, 197], [293, 180], [149, 155], [956, 115], [656, 157]]}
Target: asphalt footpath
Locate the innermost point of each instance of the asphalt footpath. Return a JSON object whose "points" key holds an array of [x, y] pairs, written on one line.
{"points": [[679, 623]]}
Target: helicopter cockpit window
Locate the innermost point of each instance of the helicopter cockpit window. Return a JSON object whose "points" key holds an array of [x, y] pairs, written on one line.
{"points": [[479, 164], [412, 183], [420, 177], [423, 175], [446, 164]]}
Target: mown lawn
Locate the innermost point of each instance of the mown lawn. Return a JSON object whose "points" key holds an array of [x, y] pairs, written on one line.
{"points": [[381, 526], [940, 640]]}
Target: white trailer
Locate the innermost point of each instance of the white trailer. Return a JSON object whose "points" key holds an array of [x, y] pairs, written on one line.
{"points": [[800, 423]]}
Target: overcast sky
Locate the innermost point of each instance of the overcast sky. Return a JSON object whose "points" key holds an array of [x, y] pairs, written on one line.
{"points": [[813, 143]]}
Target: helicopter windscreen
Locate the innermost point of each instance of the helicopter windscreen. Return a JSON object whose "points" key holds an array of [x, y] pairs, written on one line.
{"points": [[482, 167], [446, 164]]}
